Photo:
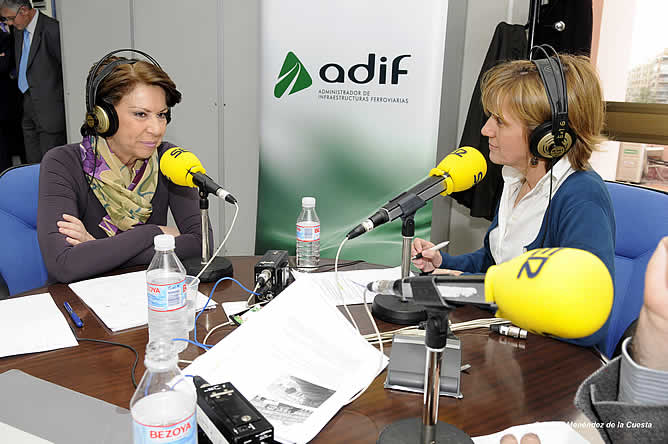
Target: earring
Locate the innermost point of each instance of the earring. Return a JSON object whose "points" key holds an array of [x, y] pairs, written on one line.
{"points": [[534, 161]]}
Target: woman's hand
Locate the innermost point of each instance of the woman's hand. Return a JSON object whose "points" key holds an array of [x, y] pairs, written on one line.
{"points": [[430, 259], [74, 229], [170, 230], [448, 272]]}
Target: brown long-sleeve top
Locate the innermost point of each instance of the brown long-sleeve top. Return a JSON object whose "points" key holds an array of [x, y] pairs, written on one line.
{"points": [[63, 189]]}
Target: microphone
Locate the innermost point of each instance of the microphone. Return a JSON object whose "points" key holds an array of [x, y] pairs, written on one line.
{"points": [[458, 171], [562, 292], [183, 168]]}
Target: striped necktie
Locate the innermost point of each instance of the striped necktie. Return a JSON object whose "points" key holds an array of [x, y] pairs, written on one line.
{"points": [[23, 64]]}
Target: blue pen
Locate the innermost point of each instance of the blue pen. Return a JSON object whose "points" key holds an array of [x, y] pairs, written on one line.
{"points": [[77, 320]]}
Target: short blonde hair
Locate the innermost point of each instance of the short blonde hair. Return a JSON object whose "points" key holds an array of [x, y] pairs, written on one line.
{"points": [[518, 84]]}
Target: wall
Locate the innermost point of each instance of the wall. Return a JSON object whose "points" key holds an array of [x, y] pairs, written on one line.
{"points": [[213, 55], [449, 110], [466, 232]]}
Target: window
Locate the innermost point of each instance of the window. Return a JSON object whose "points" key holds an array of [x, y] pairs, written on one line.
{"points": [[630, 49]]}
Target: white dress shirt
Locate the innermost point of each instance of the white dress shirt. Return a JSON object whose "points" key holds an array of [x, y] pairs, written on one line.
{"points": [[31, 27], [519, 225], [639, 384]]}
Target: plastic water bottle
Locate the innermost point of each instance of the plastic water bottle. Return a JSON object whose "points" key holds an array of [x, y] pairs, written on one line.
{"points": [[163, 406], [167, 294], [308, 236]]}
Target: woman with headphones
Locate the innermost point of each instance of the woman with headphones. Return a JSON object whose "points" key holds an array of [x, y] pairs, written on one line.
{"points": [[545, 119], [102, 201]]}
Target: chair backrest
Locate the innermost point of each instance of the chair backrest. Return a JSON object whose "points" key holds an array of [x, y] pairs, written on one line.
{"points": [[21, 263], [641, 218]]}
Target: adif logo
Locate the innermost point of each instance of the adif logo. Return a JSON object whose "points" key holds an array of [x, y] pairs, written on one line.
{"points": [[292, 73]]}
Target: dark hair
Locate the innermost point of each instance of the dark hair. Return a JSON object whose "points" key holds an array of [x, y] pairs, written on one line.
{"points": [[15, 4]]}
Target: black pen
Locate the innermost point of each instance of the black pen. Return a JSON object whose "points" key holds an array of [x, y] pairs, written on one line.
{"points": [[435, 247], [77, 320]]}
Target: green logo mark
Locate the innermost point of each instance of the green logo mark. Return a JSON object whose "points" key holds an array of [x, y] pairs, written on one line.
{"points": [[292, 73]]}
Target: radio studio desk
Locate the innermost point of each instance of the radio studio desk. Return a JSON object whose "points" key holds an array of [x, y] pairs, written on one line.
{"points": [[510, 381]]}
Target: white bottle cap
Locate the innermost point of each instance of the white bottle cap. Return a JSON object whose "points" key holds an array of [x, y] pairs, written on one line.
{"points": [[164, 242], [308, 202]]}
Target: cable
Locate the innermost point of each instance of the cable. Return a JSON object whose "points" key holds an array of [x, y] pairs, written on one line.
{"points": [[338, 285], [549, 202], [214, 329], [350, 316], [380, 344], [330, 267], [200, 345], [234, 219], [252, 293], [134, 365], [206, 347], [417, 331], [601, 357]]}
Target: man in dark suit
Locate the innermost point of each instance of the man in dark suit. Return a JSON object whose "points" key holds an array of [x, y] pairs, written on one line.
{"points": [[40, 76], [11, 139]]}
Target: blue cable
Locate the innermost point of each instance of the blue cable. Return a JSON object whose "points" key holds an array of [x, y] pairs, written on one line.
{"points": [[181, 379], [199, 344]]}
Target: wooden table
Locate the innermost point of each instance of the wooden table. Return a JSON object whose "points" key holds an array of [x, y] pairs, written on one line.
{"points": [[510, 381]]}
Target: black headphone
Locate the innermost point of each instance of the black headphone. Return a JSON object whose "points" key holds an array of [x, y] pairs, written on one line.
{"points": [[101, 116], [552, 139]]}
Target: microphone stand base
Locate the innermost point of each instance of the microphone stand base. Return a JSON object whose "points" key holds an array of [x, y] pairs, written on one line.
{"points": [[412, 431], [392, 309], [219, 268]]}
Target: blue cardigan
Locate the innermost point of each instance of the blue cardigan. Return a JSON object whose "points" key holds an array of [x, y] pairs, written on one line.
{"points": [[580, 216]]}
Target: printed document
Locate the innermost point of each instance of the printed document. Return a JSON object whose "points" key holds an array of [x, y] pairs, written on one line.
{"points": [[33, 324], [298, 360], [352, 283], [120, 301]]}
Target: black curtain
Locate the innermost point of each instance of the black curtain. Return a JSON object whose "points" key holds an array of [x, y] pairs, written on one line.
{"points": [[508, 43]]}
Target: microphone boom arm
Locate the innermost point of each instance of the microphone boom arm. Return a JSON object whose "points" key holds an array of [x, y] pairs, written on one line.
{"points": [[406, 203]]}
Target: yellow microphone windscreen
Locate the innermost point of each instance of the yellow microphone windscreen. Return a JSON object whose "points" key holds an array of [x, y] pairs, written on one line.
{"points": [[176, 163], [563, 292], [465, 167]]}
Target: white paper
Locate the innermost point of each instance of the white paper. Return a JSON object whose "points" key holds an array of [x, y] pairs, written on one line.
{"points": [[120, 301], [232, 308], [13, 435], [298, 360], [353, 283], [33, 324], [553, 432]]}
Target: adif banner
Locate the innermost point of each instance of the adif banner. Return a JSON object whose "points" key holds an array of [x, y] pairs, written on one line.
{"points": [[350, 96]]}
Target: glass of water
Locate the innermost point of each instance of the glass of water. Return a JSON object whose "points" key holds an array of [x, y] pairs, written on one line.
{"points": [[192, 284]]}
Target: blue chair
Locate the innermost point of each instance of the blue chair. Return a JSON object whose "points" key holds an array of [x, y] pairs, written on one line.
{"points": [[21, 263], [641, 217]]}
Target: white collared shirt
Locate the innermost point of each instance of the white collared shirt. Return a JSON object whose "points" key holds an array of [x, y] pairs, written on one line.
{"points": [[31, 26], [519, 225]]}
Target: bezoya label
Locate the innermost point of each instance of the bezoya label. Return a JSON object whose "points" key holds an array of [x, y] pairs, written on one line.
{"points": [[308, 232], [166, 297], [183, 432]]}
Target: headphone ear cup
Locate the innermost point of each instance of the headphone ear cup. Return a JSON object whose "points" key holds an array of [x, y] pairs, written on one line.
{"points": [[541, 142], [107, 119], [541, 135]]}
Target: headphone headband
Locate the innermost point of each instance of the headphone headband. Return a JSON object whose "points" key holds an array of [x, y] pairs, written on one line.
{"points": [[559, 137], [94, 79], [98, 119]]}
